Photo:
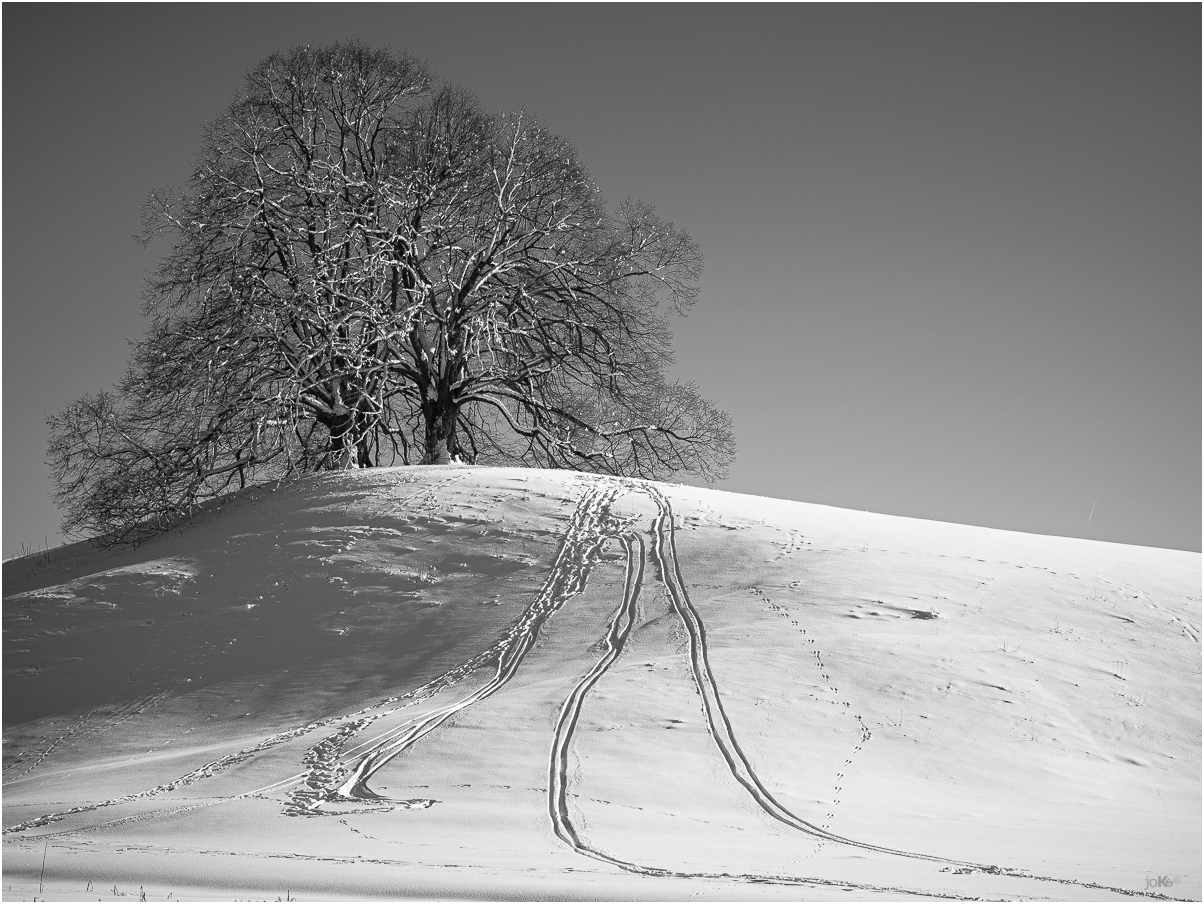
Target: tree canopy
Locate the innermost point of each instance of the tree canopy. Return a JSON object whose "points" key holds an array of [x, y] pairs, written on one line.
{"points": [[367, 268]]}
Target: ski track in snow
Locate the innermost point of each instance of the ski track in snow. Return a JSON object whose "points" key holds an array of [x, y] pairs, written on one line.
{"points": [[336, 771]]}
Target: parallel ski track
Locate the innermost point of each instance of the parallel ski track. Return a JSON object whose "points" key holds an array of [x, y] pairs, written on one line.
{"points": [[617, 633], [590, 530]]}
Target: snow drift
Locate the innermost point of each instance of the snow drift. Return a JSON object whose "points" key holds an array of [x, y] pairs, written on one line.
{"points": [[505, 683]]}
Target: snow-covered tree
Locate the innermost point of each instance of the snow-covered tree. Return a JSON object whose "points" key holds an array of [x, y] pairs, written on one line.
{"points": [[367, 268]]}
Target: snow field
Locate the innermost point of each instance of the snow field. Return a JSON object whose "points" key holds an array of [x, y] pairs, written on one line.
{"points": [[461, 681]]}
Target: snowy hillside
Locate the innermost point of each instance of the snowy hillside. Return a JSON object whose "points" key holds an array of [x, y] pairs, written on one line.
{"points": [[503, 683]]}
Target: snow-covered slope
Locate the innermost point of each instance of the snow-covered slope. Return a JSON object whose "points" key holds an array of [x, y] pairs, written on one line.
{"points": [[503, 683]]}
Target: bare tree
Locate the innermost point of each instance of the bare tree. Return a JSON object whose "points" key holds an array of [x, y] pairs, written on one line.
{"points": [[367, 270]]}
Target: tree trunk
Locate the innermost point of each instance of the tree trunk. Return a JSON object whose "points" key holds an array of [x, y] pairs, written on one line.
{"points": [[441, 445], [345, 452]]}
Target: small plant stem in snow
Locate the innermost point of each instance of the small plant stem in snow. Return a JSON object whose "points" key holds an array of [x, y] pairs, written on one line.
{"points": [[42, 875]]}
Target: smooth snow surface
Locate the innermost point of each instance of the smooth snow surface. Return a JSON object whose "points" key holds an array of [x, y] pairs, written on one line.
{"points": [[502, 683]]}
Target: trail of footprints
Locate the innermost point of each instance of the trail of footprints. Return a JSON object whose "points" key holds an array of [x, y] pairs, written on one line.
{"points": [[113, 716], [843, 705], [84, 727], [322, 769], [795, 542]]}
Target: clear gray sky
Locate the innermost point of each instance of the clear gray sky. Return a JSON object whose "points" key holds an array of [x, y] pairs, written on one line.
{"points": [[953, 251]]}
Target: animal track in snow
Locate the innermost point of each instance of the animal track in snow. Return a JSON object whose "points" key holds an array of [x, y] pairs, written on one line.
{"points": [[795, 542], [842, 706]]}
